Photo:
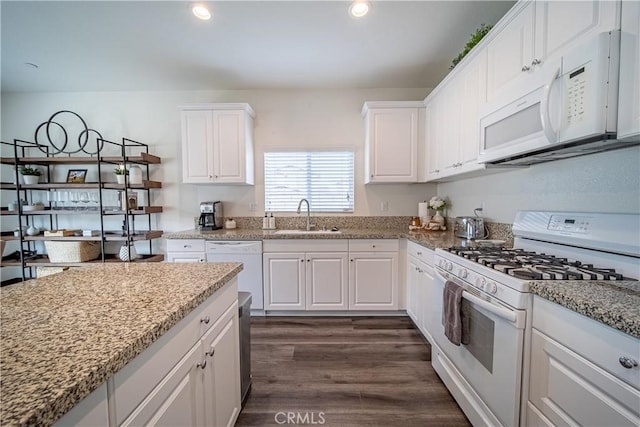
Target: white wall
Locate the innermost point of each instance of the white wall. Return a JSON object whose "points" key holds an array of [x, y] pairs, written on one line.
{"points": [[300, 119], [604, 182]]}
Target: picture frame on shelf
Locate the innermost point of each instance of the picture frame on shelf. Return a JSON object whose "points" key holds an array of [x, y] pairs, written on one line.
{"points": [[76, 176]]}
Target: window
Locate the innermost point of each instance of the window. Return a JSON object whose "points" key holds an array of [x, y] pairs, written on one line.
{"points": [[324, 178]]}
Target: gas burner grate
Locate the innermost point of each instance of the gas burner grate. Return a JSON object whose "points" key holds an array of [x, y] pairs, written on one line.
{"points": [[529, 265]]}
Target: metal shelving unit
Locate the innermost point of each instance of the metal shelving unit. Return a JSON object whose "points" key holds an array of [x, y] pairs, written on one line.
{"points": [[130, 153]]}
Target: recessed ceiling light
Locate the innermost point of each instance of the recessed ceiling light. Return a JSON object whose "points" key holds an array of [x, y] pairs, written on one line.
{"points": [[359, 8], [201, 11]]}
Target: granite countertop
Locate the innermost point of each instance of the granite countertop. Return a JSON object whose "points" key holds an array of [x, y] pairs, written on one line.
{"points": [[616, 304], [64, 335], [429, 239]]}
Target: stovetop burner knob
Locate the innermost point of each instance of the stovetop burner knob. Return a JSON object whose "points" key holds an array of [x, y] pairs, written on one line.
{"points": [[449, 266], [491, 287], [463, 273]]}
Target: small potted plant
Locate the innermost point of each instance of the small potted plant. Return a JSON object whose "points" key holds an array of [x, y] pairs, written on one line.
{"points": [[30, 175], [120, 172], [438, 204]]}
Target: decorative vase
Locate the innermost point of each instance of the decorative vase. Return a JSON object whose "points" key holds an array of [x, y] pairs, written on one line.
{"points": [[135, 175], [128, 252], [30, 179], [33, 231], [438, 218], [120, 179]]}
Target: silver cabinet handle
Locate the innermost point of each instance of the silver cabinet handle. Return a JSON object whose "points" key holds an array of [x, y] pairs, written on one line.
{"points": [[419, 253], [186, 246], [627, 362], [202, 364], [210, 352], [536, 61], [525, 68], [205, 320]]}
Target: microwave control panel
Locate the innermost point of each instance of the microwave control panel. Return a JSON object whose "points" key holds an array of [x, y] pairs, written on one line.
{"points": [[576, 84], [568, 224]]}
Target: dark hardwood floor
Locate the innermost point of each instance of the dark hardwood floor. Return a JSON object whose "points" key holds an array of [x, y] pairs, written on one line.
{"points": [[344, 371]]}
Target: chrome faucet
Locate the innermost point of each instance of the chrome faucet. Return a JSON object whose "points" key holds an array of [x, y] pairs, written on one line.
{"points": [[309, 226]]}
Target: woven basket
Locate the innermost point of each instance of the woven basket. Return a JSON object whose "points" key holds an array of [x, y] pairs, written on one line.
{"points": [[72, 251]]}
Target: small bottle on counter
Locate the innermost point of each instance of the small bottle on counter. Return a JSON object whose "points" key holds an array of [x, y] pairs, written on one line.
{"points": [[230, 224], [265, 222], [272, 221]]}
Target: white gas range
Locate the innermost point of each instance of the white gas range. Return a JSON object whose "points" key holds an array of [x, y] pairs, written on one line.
{"points": [[485, 375]]}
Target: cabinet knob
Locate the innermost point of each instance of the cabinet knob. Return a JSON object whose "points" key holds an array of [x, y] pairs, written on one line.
{"points": [[210, 352], [205, 320], [301, 260], [419, 253], [437, 171], [536, 61], [627, 362], [202, 364], [351, 260], [525, 68], [186, 246], [308, 260]]}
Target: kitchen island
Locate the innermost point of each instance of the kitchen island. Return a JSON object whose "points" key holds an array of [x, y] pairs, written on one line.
{"points": [[64, 335]]}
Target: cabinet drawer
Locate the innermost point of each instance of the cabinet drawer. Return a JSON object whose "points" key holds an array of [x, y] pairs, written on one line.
{"points": [[374, 245], [420, 252], [305, 245], [596, 342], [185, 245], [136, 379]]}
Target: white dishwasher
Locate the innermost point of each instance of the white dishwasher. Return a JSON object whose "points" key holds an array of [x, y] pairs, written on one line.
{"points": [[250, 254]]}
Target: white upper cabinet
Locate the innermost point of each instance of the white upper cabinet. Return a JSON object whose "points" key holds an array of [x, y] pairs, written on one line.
{"points": [[217, 144], [537, 35], [452, 117], [629, 101], [391, 145]]}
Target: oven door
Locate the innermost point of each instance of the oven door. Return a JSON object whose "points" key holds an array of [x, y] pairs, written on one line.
{"points": [[485, 375]]}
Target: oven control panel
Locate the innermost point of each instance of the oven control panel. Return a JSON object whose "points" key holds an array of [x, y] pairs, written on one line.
{"points": [[570, 224]]}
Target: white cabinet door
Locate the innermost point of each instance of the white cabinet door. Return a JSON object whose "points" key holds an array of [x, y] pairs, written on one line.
{"points": [[413, 276], [391, 145], [221, 347], [424, 293], [567, 389], [177, 400], [510, 53], [186, 257], [327, 281], [373, 281], [561, 25], [284, 281], [473, 89], [217, 144], [230, 147], [197, 146], [629, 100]]}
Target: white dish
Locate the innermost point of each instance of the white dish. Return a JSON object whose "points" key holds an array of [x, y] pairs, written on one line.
{"points": [[495, 243]]}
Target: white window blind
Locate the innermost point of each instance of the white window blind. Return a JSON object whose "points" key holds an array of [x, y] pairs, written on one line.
{"points": [[324, 178]]}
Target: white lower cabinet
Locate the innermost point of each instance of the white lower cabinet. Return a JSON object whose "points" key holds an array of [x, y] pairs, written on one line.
{"points": [[177, 400], [305, 281], [221, 386], [577, 375], [330, 274], [373, 274], [419, 286]]}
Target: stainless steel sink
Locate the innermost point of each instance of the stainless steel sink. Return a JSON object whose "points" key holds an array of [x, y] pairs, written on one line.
{"points": [[307, 232]]}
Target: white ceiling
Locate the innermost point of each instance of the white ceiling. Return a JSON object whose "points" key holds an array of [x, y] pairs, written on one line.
{"points": [[160, 45]]}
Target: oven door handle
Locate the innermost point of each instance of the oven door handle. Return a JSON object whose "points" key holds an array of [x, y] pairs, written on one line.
{"points": [[515, 317], [509, 315]]}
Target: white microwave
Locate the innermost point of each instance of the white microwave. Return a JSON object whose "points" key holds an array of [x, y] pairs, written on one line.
{"points": [[573, 113]]}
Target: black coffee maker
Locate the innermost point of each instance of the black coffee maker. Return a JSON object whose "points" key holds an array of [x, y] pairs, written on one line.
{"points": [[210, 215]]}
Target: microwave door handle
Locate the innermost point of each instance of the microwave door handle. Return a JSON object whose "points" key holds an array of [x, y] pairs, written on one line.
{"points": [[545, 117]]}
